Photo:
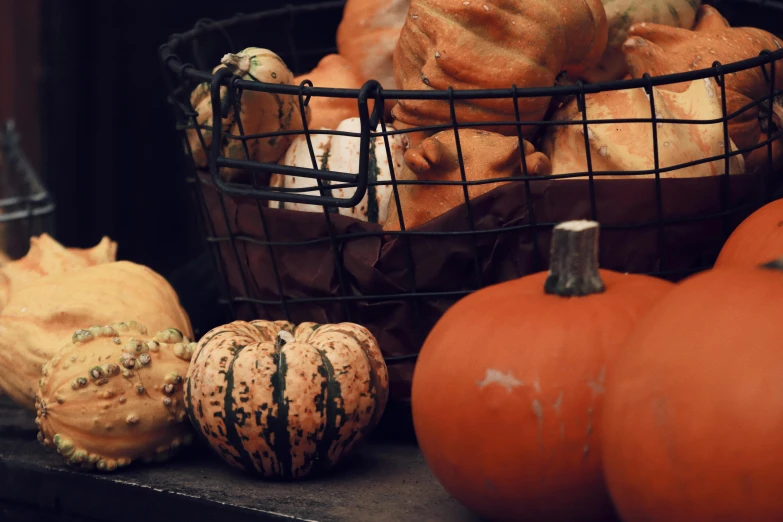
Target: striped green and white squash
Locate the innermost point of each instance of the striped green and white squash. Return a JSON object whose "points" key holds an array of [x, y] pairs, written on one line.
{"points": [[286, 401], [341, 154], [259, 112], [622, 14]]}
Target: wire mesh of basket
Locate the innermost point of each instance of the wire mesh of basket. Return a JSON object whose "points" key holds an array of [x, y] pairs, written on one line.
{"points": [[26, 208], [302, 251]]}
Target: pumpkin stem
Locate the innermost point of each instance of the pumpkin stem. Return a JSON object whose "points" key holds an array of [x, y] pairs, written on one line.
{"points": [[238, 64], [283, 337], [573, 265]]}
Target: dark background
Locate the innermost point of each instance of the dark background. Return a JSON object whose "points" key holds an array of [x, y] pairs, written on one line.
{"points": [[110, 152]]}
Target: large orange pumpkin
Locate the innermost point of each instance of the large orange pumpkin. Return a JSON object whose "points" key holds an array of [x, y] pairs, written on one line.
{"points": [[758, 239], [694, 404], [507, 392]]}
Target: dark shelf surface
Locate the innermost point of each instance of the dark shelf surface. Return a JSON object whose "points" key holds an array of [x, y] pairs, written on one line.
{"points": [[382, 482]]}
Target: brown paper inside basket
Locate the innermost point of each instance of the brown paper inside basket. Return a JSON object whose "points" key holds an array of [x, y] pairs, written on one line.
{"points": [[378, 265]]}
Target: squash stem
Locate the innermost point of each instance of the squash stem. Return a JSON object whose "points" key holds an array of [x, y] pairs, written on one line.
{"points": [[283, 337], [573, 265], [239, 64]]}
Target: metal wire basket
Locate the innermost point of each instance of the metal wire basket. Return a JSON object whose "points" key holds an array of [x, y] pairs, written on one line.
{"points": [[26, 209], [276, 263]]}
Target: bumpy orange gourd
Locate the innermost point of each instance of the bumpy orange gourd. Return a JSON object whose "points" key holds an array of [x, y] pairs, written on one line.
{"points": [[260, 112], [659, 49], [285, 401], [42, 316], [757, 240], [493, 44], [113, 395], [47, 256], [624, 147], [333, 71], [694, 404], [486, 155], [507, 409]]}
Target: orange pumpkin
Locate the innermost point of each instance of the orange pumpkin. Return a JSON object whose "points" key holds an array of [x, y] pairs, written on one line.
{"points": [[694, 404], [493, 44], [507, 409], [758, 239], [659, 49]]}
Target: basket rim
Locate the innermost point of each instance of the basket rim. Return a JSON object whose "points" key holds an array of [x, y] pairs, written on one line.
{"points": [[173, 63]]}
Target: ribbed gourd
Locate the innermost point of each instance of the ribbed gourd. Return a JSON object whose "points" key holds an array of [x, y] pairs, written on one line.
{"points": [[113, 395], [286, 401]]}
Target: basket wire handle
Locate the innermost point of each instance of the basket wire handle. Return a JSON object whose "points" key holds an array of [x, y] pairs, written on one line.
{"points": [[465, 192], [581, 103], [648, 88], [217, 81], [537, 257], [725, 187], [379, 100], [304, 101], [335, 244], [769, 78], [268, 242], [380, 104]]}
